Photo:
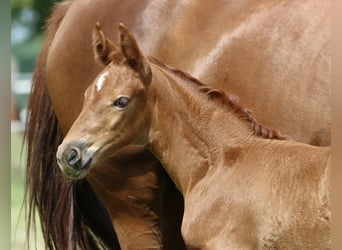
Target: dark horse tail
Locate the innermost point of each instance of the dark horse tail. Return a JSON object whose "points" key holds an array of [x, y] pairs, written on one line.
{"points": [[71, 215]]}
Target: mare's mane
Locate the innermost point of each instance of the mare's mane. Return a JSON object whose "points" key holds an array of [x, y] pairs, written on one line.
{"points": [[226, 100], [71, 215]]}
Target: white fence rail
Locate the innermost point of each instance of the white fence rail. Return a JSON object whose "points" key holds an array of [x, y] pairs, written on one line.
{"points": [[21, 87]]}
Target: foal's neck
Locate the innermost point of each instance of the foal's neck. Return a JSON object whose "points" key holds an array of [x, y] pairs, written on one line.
{"points": [[190, 134]]}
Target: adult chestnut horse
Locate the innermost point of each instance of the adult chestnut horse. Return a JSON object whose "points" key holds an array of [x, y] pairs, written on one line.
{"points": [[241, 191], [273, 54]]}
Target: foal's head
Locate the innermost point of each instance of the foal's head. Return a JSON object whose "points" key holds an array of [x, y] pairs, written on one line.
{"points": [[114, 112]]}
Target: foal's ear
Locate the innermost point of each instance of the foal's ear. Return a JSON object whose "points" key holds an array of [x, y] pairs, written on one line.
{"points": [[135, 58], [102, 46]]}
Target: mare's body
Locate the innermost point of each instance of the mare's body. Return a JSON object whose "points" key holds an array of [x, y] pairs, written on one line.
{"points": [[241, 191], [274, 55], [268, 53]]}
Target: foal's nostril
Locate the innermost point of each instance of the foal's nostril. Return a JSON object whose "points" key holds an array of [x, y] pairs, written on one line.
{"points": [[73, 157]]}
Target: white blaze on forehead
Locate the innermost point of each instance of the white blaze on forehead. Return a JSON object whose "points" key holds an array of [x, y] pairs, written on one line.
{"points": [[101, 80]]}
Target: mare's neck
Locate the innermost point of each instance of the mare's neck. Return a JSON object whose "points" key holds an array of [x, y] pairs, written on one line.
{"points": [[190, 134]]}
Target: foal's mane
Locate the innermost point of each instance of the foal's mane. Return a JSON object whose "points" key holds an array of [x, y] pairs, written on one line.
{"points": [[228, 101]]}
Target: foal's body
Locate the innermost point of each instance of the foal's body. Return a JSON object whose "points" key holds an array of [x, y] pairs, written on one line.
{"points": [[241, 191], [254, 202]]}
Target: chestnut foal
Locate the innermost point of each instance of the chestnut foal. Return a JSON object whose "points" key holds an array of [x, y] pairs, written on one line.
{"points": [[241, 191]]}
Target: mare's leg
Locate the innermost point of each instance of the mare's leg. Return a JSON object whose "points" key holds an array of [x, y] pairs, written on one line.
{"points": [[142, 207]]}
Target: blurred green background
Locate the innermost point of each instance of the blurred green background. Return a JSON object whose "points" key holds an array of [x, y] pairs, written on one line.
{"points": [[18, 226], [27, 35], [27, 29]]}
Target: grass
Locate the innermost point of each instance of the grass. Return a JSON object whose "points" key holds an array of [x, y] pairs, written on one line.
{"points": [[18, 224]]}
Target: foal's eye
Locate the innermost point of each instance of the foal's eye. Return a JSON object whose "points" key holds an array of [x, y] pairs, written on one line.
{"points": [[121, 102]]}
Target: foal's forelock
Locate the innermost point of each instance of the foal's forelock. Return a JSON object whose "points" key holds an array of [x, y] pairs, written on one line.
{"points": [[225, 100]]}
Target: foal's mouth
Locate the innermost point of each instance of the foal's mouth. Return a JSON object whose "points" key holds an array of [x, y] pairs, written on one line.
{"points": [[77, 174]]}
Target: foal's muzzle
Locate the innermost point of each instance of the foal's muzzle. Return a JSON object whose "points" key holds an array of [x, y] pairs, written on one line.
{"points": [[74, 159]]}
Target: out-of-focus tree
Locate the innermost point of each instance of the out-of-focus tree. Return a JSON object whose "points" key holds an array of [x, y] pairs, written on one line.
{"points": [[28, 21], [17, 6], [43, 7], [41, 10]]}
